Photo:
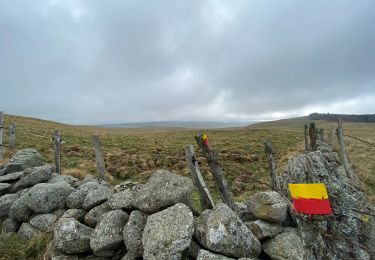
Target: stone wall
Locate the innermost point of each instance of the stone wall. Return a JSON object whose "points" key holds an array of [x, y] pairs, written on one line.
{"points": [[158, 220]]}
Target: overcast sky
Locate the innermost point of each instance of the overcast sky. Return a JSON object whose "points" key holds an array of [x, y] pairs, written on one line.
{"points": [[124, 61]]}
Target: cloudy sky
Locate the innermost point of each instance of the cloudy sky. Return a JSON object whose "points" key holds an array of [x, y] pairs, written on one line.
{"points": [[109, 61]]}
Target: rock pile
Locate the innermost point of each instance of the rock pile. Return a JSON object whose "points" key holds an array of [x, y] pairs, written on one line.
{"points": [[157, 220]]}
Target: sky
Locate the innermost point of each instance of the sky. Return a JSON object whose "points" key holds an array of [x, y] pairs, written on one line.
{"points": [[94, 61]]}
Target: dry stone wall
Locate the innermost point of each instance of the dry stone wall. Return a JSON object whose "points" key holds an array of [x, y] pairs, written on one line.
{"points": [[157, 219]]}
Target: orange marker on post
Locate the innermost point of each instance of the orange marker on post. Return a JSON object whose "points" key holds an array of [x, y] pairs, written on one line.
{"points": [[310, 198]]}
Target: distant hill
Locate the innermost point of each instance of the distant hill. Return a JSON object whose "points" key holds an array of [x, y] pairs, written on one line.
{"points": [[179, 124], [370, 118]]}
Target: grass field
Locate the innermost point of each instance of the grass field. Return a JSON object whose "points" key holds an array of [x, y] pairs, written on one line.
{"points": [[136, 153]]}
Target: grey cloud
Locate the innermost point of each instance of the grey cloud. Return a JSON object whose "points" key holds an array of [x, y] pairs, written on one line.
{"points": [[118, 61]]}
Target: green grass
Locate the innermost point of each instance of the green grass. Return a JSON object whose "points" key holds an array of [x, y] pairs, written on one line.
{"points": [[14, 248]]}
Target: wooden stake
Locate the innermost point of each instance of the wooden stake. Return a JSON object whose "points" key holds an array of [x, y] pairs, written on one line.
{"points": [[272, 165], [321, 135], [57, 148], [306, 138], [205, 196], [313, 137], [1, 135], [100, 167], [344, 155], [12, 135], [213, 161], [333, 137]]}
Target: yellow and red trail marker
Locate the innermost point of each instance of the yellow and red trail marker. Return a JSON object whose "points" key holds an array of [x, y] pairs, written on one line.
{"points": [[310, 198]]}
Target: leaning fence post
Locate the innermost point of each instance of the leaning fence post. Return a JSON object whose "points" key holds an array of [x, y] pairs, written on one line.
{"points": [[213, 161], [12, 135], [1, 135], [344, 155], [306, 138], [205, 196], [313, 137], [57, 148], [272, 165], [100, 167]]}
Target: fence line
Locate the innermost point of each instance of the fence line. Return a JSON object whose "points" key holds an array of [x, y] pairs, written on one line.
{"points": [[361, 140]]}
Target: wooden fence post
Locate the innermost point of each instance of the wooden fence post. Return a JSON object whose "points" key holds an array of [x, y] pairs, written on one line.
{"points": [[306, 138], [205, 196], [100, 167], [321, 135], [344, 155], [313, 137], [57, 148], [272, 165], [213, 161], [1, 135], [12, 135], [332, 137]]}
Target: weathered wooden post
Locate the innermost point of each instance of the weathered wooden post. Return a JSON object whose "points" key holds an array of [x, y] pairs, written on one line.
{"points": [[204, 193], [1, 135], [333, 137], [57, 148], [100, 167], [306, 138], [213, 161], [272, 165], [344, 155], [313, 137], [12, 135], [321, 135]]}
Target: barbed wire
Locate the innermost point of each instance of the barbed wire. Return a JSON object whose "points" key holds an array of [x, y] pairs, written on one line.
{"points": [[361, 140]]}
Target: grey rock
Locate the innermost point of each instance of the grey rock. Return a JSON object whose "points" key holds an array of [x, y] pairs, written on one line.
{"points": [[27, 231], [6, 202], [133, 232], [163, 189], [129, 256], [194, 249], [77, 214], [243, 212], [122, 200], [93, 216], [4, 187], [76, 199], [35, 175], [268, 206], [72, 237], [96, 197], [59, 213], [55, 178], [9, 226], [287, 245], [262, 229], [44, 222], [107, 235], [19, 210], [206, 255], [46, 197], [220, 230], [127, 185], [168, 233], [23, 159], [90, 178], [11, 177], [3, 171]]}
